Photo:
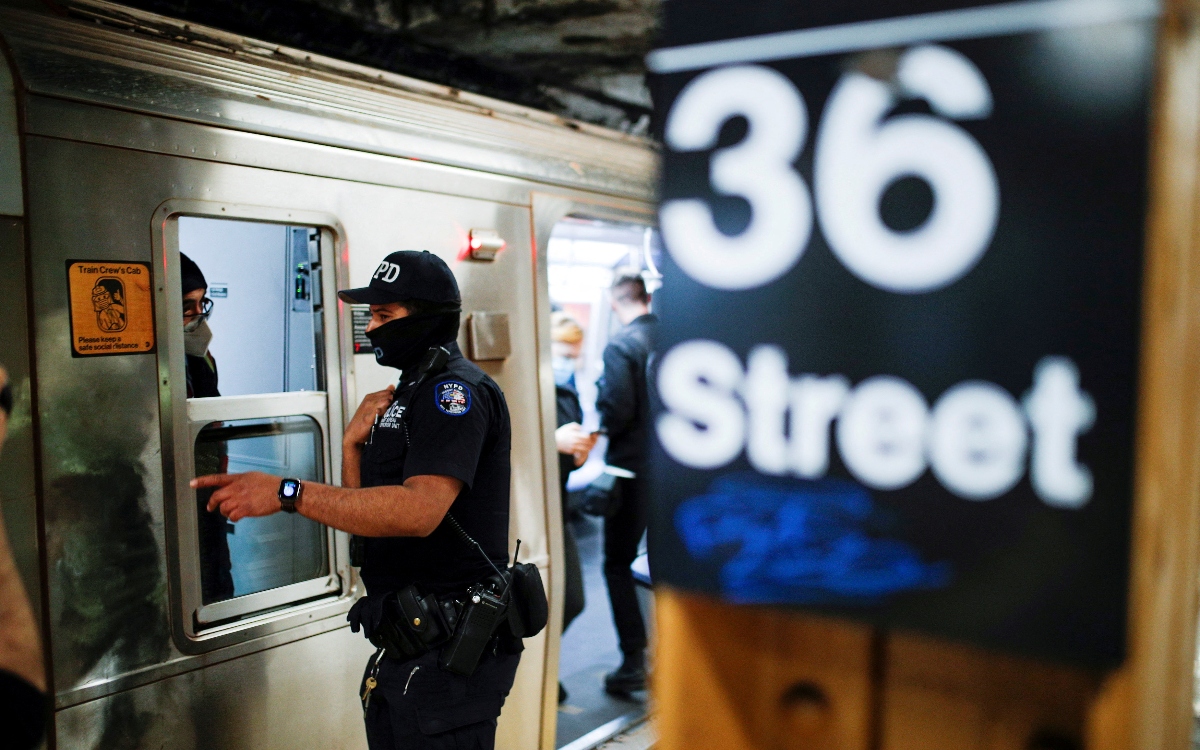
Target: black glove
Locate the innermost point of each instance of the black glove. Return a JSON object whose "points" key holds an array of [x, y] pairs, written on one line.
{"points": [[367, 613]]}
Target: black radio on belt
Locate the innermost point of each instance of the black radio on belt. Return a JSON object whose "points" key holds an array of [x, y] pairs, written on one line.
{"points": [[480, 618]]}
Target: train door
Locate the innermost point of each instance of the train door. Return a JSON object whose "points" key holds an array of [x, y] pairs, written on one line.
{"points": [[584, 257]]}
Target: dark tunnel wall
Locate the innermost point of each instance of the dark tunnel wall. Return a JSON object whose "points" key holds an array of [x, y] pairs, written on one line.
{"points": [[578, 58]]}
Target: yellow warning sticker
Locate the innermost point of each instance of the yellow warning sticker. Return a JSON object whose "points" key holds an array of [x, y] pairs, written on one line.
{"points": [[112, 309]]}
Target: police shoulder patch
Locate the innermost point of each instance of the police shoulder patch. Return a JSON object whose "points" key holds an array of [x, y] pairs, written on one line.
{"points": [[453, 398]]}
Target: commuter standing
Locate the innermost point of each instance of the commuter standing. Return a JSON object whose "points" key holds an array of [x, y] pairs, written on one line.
{"points": [[216, 566], [22, 678], [623, 403], [574, 444], [425, 474]]}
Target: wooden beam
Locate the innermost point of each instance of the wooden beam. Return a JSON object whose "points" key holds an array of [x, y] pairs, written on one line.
{"points": [[942, 696], [1147, 704], [752, 678]]}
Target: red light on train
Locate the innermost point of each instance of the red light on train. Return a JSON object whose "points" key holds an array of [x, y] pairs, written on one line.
{"points": [[485, 244]]}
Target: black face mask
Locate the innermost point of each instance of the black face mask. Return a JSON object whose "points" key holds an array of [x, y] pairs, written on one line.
{"points": [[400, 343]]}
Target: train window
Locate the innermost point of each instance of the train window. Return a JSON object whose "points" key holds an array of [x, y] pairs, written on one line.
{"points": [[264, 324], [258, 554], [255, 359]]}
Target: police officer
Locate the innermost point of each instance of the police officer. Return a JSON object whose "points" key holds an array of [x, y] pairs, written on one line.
{"points": [[425, 475]]}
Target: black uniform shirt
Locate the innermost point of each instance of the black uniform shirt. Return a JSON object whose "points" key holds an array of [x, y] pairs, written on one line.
{"points": [[456, 424]]}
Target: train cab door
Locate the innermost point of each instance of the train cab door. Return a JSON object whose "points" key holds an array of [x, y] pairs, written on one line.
{"points": [[248, 298]]}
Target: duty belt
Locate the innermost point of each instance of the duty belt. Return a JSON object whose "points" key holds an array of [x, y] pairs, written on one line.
{"points": [[405, 625]]}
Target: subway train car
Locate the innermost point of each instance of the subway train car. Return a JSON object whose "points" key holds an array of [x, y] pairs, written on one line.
{"points": [[127, 139]]}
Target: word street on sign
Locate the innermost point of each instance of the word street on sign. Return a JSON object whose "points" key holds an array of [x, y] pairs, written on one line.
{"points": [[896, 377]]}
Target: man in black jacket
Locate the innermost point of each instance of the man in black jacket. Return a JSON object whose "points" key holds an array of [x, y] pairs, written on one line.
{"points": [[623, 403]]}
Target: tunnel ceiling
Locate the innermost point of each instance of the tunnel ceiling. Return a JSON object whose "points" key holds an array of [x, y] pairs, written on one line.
{"points": [[577, 58]]}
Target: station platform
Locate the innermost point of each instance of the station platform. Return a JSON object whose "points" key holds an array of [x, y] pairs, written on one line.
{"points": [[589, 651]]}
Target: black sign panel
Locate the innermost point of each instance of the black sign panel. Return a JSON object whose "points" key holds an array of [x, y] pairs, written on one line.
{"points": [[897, 367], [360, 318]]}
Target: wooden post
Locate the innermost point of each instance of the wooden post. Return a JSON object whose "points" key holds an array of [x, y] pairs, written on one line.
{"points": [[1147, 704], [748, 677], [939, 696]]}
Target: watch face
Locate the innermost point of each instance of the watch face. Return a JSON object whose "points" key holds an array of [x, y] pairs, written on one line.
{"points": [[291, 488]]}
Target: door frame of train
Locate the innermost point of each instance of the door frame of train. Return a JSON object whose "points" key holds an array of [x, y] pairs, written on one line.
{"points": [[175, 430], [546, 211]]}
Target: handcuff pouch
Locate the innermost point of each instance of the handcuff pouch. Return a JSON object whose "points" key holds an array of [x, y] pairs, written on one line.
{"points": [[422, 617]]}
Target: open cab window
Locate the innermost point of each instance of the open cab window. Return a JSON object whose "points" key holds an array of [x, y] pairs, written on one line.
{"points": [[255, 360]]}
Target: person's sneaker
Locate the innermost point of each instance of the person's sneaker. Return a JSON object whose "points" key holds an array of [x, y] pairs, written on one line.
{"points": [[627, 679], [562, 694]]}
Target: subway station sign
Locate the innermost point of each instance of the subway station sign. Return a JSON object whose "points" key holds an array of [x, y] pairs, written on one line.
{"points": [[897, 371]]}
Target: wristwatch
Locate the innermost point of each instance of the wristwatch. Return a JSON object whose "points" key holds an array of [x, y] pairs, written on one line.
{"points": [[289, 494]]}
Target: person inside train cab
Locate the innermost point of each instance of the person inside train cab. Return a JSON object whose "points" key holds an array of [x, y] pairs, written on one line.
{"points": [[216, 567], [623, 403], [425, 492], [201, 367], [574, 444], [22, 677]]}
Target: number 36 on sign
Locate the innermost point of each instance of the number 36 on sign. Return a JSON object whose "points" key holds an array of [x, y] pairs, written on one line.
{"points": [[858, 155]]}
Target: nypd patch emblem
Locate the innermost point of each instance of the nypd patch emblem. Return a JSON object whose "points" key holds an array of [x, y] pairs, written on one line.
{"points": [[453, 398]]}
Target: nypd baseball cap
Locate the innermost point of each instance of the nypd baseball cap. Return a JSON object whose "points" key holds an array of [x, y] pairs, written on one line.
{"points": [[405, 275]]}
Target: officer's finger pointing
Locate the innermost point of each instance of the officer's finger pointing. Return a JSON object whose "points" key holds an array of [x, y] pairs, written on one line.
{"points": [[212, 480], [225, 494]]}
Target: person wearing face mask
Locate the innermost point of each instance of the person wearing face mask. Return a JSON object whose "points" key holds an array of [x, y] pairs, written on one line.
{"points": [[574, 444], [425, 492], [216, 567], [201, 367]]}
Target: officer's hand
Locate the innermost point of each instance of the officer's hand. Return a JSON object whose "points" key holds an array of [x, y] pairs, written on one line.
{"points": [[372, 406], [241, 495]]}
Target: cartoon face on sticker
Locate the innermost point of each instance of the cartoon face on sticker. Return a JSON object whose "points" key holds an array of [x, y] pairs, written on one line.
{"points": [[108, 300], [453, 398]]}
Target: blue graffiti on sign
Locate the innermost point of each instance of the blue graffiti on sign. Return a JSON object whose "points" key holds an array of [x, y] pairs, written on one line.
{"points": [[801, 542]]}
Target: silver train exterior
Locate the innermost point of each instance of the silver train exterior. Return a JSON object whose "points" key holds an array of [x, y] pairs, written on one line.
{"points": [[113, 125]]}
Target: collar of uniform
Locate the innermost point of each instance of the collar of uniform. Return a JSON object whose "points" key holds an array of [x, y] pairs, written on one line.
{"points": [[455, 352], [455, 355]]}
